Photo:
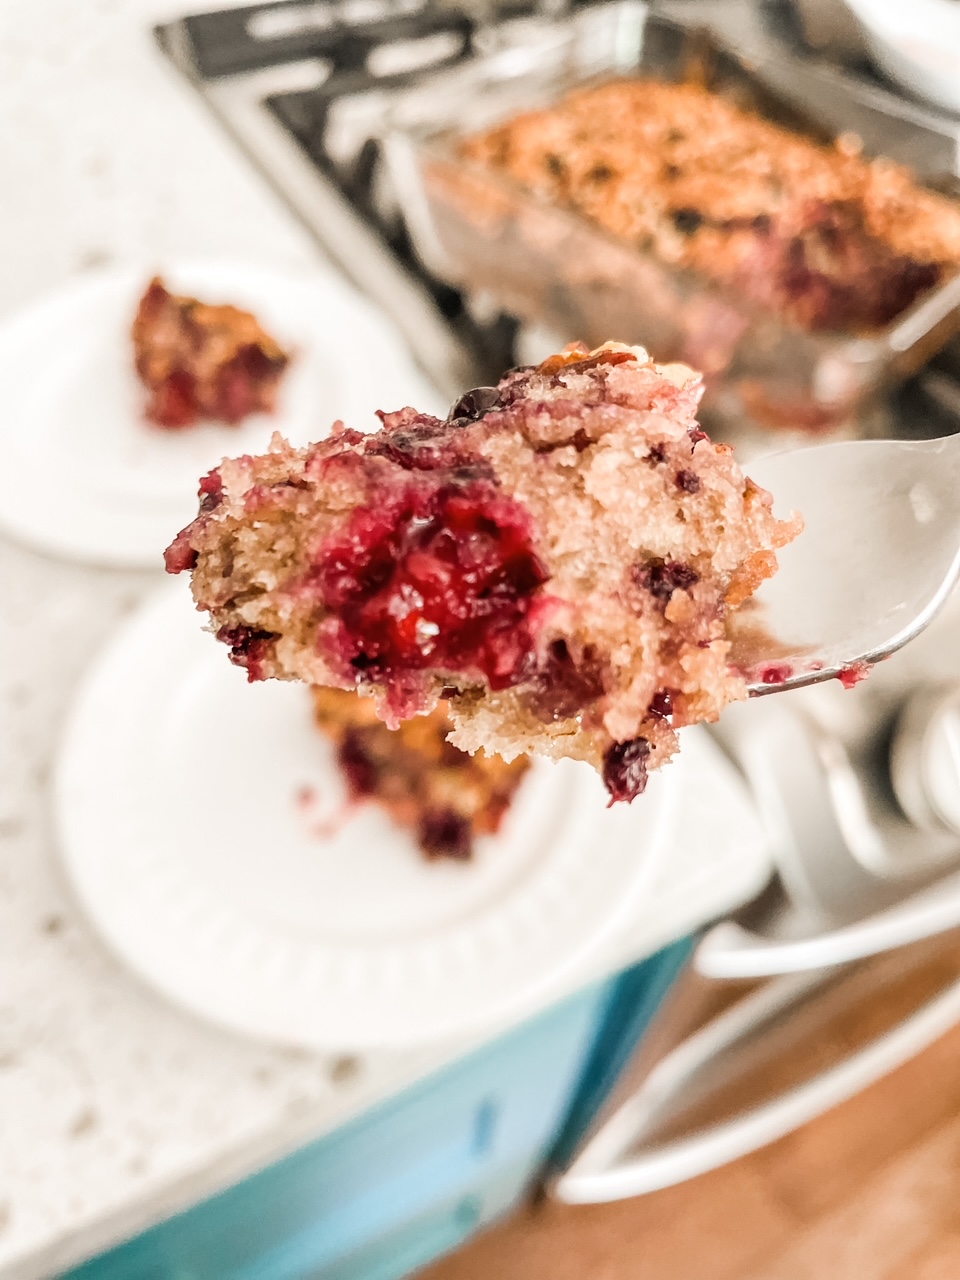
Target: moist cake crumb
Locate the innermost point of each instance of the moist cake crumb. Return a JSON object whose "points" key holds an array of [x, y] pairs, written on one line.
{"points": [[531, 559]]}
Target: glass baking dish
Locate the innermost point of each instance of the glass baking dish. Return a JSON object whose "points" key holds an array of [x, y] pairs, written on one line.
{"points": [[551, 266]]}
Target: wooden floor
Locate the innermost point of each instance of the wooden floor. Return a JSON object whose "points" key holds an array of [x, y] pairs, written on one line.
{"points": [[870, 1191]]}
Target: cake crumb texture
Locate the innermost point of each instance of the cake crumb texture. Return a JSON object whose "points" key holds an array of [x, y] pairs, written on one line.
{"points": [[557, 560]]}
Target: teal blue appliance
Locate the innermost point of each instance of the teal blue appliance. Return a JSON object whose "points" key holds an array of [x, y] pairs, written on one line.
{"points": [[415, 1176]]}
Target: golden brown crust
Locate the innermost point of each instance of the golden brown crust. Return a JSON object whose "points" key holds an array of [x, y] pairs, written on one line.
{"points": [[817, 233]]}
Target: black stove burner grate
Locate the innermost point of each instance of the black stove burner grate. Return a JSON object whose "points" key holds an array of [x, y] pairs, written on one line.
{"points": [[241, 61], [303, 88]]}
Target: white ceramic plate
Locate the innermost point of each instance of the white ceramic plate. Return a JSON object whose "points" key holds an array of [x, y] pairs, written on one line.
{"points": [[82, 475], [197, 821]]}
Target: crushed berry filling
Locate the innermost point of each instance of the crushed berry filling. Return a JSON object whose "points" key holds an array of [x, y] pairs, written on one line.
{"points": [[173, 403], [662, 705], [248, 648], [688, 481], [180, 555], [210, 492], [842, 275], [359, 770], [663, 577], [852, 675], [560, 687], [438, 575], [419, 442], [776, 673], [625, 769]]}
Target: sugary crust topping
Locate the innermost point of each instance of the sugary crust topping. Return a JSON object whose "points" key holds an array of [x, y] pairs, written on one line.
{"points": [[817, 233], [558, 558]]}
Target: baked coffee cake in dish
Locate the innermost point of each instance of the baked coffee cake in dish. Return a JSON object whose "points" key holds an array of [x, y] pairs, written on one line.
{"points": [[817, 234], [200, 361], [442, 795], [557, 559]]}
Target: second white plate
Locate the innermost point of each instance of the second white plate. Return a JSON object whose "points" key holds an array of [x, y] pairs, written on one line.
{"points": [[198, 818]]}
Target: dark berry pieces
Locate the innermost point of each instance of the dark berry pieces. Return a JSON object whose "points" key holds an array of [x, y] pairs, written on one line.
{"points": [[248, 648], [472, 405], [663, 577], [661, 708], [687, 221], [359, 769], [419, 442], [625, 769], [562, 687], [445, 834], [688, 481]]}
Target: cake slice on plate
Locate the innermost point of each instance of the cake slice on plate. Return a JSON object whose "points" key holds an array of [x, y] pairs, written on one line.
{"points": [[445, 797], [199, 361], [558, 559]]}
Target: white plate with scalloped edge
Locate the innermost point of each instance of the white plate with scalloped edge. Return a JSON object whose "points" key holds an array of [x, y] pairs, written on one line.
{"points": [[84, 476], [184, 828]]}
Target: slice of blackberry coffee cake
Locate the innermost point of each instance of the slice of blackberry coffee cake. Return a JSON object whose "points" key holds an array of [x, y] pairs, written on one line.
{"points": [[557, 559], [443, 796], [199, 361]]}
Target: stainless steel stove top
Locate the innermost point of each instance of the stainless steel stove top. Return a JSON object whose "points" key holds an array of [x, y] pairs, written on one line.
{"points": [[305, 88]]}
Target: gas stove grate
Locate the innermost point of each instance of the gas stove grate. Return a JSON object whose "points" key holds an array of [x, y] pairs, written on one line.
{"points": [[304, 89]]}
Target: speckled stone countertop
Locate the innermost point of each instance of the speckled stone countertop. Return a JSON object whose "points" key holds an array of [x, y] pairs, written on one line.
{"points": [[110, 1101], [114, 1107]]}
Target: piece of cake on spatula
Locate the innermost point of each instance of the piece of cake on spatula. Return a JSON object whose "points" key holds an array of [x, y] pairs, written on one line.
{"points": [[558, 559]]}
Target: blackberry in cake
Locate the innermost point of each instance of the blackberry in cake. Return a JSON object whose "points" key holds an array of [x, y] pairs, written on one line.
{"points": [[557, 559], [818, 234], [444, 796], [201, 361]]}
